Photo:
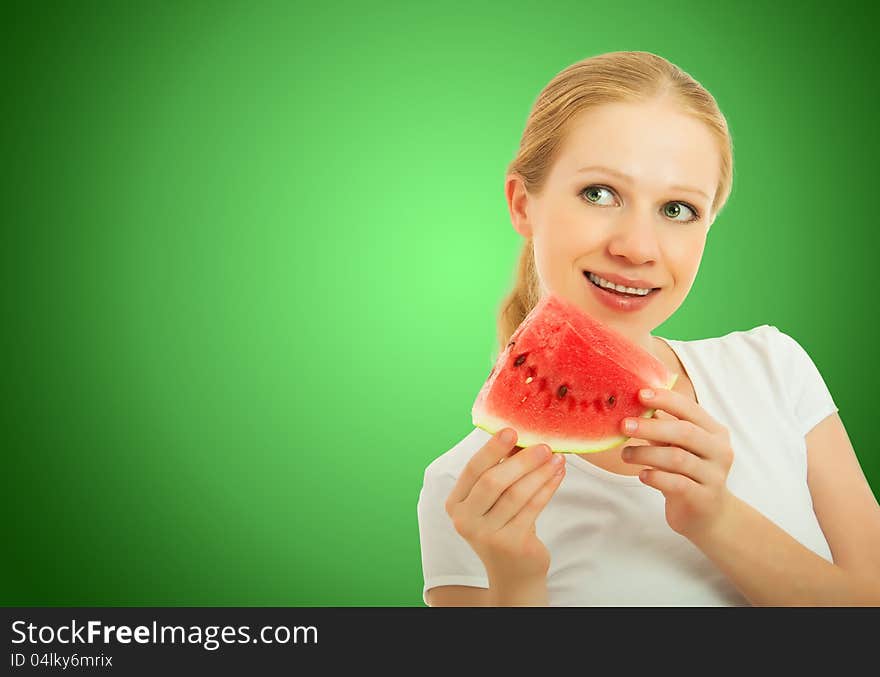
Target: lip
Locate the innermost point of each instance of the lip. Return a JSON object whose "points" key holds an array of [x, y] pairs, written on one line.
{"points": [[624, 281], [615, 301]]}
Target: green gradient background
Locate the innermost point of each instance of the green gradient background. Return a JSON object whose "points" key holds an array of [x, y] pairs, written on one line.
{"points": [[251, 255]]}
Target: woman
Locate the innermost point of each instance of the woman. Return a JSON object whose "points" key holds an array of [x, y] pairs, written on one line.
{"points": [[744, 488]]}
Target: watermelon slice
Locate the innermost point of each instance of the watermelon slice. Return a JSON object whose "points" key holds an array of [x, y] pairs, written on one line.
{"points": [[567, 380]]}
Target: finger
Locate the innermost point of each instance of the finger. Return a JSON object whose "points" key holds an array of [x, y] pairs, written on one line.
{"points": [[676, 433], [490, 454], [679, 406], [495, 481], [521, 492], [670, 484], [510, 453], [524, 520], [671, 459]]}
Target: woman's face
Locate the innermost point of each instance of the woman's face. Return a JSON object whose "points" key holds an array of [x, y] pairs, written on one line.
{"points": [[640, 211]]}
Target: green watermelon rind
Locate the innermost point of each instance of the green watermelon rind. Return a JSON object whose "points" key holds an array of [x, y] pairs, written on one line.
{"points": [[590, 447]]}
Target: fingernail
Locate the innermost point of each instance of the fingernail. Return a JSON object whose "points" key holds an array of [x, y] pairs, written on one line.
{"points": [[558, 459], [647, 394], [627, 453], [630, 425], [506, 437]]}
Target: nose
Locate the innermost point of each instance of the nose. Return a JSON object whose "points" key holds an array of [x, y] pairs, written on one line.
{"points": [[634, 238]]}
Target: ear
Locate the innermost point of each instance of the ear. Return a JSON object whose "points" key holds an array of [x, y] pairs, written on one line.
{"points": [[517, 205]]}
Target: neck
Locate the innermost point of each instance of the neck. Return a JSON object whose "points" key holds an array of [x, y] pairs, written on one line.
{"points": [[656, 347], [646, 342]]}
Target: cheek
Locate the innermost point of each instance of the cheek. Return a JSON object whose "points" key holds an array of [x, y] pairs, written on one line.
{"points": [[545, 262], [567, 235], [554, 260], [685, 258]]}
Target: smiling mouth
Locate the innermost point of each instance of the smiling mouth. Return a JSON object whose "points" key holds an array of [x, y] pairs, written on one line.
{"points": [[587, 274]]}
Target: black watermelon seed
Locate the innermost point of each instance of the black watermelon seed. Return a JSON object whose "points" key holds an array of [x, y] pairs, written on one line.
{"points": [[611, 401], [519, 360], [561, 392], [511, 343]]}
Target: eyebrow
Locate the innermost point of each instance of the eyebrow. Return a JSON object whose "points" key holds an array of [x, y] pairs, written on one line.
{"points": [[628, 178]]}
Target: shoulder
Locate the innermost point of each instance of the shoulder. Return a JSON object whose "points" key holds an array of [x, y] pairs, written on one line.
{"points": [[770, 347], [757, 336], [763, 363], [451, 462], [764, 345]]}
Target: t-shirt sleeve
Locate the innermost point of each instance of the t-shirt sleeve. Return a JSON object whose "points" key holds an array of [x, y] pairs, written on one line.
{"points": [[447, 559], [809, 396]]}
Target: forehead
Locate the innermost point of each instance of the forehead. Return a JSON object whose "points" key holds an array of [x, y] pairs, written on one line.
{"points": [[653, 143]]}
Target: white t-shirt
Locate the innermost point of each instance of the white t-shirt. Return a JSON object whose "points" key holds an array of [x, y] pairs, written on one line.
{"points": [[607, 534]]}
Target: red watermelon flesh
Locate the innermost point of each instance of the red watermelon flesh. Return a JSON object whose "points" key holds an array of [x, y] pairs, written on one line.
{"points": [[567, 380]]}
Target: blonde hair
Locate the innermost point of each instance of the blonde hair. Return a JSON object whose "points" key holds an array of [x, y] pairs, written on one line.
{"points": [[606, 78]]}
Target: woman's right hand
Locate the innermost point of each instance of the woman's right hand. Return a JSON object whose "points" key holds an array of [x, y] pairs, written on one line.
{"points": [[494, 504]]}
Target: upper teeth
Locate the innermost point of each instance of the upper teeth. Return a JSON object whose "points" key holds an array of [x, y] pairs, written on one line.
{"points": [[602, 282]]}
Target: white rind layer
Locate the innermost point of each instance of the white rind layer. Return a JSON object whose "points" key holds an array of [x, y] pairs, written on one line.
{"points": [[492, 424]]}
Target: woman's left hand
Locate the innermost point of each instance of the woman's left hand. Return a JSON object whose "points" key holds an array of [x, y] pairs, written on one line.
{"points": [[689, 455]]}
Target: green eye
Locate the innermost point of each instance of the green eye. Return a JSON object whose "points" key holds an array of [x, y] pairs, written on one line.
{"points": [[670, 209], [593, 190], [676, 210]]}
